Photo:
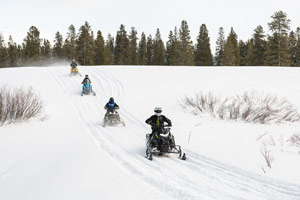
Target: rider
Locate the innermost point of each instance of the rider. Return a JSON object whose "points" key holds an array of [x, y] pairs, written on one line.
{"points": [[111, 106], [157, 123], [73, 64], [86, 80]]}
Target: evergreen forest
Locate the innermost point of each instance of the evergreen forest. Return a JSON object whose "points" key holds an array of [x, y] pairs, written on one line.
{"points": [[281, 47]]}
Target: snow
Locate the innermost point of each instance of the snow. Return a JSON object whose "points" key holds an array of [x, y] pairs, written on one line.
{"points": [[71, 156]]}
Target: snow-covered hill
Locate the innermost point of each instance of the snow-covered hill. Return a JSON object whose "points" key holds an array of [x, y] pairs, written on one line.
{"points": [[71, 156]]}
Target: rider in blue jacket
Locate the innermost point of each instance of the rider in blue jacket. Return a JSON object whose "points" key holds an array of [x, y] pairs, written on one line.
{"points": [[111, 106]]}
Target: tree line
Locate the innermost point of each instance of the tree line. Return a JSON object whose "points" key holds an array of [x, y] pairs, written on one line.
{"points": [[279, 48]]}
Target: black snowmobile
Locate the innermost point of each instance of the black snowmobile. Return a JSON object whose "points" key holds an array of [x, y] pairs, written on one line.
{"points": [[112, 117], [162, 143]]}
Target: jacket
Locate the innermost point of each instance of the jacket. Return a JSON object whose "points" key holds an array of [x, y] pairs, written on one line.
{"points": [[111, 106], [157, 122], [73, 64], [86, 81]]}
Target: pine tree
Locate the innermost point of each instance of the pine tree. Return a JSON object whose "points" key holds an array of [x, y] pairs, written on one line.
{"points": [[32, 46], [250, 59], [133, 47], [220, 45], [21, 52], [142, 50], [169, 45], [20, 55], [86, 45], [229, 58], [231, 50], [100, 54], [173, 51], [13, 57], [122, 48], [186, 45], [243, 52], [259, 47], [58, 46], [109, 50], [158, 50], [278, 52], [46, 51], [203, 56], [3, 52], [293, 47], [69, 47], [149, 52], [297, 53]]}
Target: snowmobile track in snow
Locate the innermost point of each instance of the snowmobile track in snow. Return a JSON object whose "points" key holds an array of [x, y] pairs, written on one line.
{"points": [[198, 177]]}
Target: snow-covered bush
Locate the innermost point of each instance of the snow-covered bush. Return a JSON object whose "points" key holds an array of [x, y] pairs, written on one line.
{"points": [[19, 105], [252, 107]]}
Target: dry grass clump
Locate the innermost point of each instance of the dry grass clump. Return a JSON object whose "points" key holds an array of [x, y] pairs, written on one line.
{"points": [[17, 105], [294, 140], [250, 107]]}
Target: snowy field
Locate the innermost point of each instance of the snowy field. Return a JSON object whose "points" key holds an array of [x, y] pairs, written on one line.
{"points": [[70, 156]]}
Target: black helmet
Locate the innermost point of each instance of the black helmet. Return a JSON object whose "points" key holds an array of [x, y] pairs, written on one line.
{"points": [[86, 76], [111, 99]]}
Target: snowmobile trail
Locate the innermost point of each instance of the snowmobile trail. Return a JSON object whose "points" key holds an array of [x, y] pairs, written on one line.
{"points": [[198, 177]]}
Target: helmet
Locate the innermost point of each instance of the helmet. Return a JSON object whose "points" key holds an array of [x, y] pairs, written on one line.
{"points": [[86, 76], [111, 99], [73, 60], [157, 111]]}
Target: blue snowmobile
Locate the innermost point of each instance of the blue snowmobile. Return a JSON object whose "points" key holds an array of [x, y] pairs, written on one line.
{"points": [[87, 87]]}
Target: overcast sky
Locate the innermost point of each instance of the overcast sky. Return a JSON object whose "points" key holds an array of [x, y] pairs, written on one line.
{"points": [[50, 16]]}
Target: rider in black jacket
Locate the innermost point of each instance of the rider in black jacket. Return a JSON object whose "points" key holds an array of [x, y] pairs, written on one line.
{"points": [[73, 64], [86, 80], [157, 122]]}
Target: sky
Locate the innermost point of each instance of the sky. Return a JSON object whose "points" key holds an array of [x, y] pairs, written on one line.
{"points": [[50, 16]]}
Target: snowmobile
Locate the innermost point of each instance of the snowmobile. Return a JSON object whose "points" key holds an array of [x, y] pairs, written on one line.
{"points": [[163, 143], [112, 117], [74, 71], [87, 89]]}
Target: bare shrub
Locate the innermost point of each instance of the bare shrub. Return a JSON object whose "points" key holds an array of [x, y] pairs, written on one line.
{"points": [[261, 136], [281, 141], [271, 141], [19, 105], [266, 154], [294, 140], [201, 103], [250, 107]]}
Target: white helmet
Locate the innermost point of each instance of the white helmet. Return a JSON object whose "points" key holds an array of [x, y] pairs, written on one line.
{"points": [[157, 111]]}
